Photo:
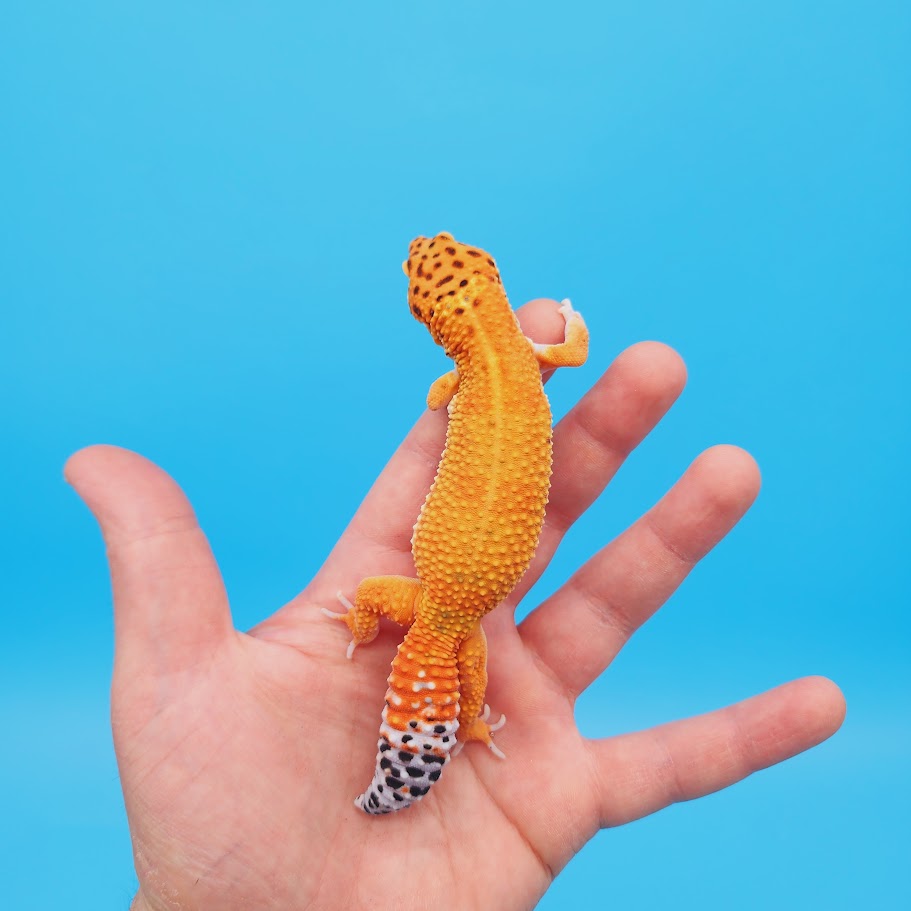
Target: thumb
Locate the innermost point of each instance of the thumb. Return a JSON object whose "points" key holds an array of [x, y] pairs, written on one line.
{"points": [[170, 606]]}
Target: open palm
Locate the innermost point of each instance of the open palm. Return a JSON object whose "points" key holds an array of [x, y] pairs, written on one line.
{"points": [[240, 754]]}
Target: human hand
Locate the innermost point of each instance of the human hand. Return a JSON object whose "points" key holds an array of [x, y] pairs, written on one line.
{"points": [[240, 753]]}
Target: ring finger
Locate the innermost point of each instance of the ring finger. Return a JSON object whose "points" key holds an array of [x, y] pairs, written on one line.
{"points": [[578, 631]]}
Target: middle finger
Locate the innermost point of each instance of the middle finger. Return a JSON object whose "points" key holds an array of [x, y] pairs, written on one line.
{"points": [[593, 440]]}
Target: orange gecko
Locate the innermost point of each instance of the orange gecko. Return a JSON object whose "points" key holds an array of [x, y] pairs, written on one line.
{"points": [[479, 526]]}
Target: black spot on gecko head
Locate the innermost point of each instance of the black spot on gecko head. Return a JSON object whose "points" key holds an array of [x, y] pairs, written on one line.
{"points": [[454, 265]]}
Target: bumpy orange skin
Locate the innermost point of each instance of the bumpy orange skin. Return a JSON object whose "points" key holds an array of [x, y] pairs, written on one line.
{"points": [[479, 526]]}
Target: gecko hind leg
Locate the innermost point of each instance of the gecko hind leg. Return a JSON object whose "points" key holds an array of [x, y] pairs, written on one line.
{"points": [[393, 597], [472, 667]]}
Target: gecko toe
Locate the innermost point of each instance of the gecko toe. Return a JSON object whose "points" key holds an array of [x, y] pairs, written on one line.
{"points": [[334, 615], [498, 725]]}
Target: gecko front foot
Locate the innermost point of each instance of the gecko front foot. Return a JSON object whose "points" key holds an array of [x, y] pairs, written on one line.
{"points": [[573, 350]]}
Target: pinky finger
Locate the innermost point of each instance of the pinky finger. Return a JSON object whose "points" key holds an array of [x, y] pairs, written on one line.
{"points": [[640, 773]]}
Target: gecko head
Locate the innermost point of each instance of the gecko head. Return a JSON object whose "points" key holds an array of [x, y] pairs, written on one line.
{"points": [[444, 276]]}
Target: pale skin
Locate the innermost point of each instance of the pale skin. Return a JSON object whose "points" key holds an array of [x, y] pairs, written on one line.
{"points": [[240, 753]]}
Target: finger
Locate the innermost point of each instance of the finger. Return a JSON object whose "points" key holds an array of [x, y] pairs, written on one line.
{"points": [[170, 605], [596, 436], [637, 774], [378, 539], [578, 631]]}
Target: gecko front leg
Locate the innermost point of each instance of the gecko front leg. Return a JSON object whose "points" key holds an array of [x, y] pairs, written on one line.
{"points": [[442, 390], [573, 350]]}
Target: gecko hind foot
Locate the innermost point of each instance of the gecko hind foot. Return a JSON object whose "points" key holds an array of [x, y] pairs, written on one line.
{"points": [[479, 729], [343, 617], [491, 728], [338, 615], [332, 614]]}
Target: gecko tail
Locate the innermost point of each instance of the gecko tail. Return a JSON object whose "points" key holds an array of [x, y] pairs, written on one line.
{"points": [[407, 765], [418, 731]]}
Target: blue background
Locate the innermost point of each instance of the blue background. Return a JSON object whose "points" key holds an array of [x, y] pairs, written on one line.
{"points": [[204, 210]]}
